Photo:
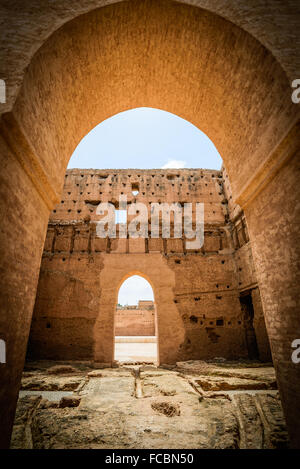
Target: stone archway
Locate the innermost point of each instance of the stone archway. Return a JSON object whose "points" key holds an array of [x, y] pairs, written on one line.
{"points": [[170, 330], [135, 322], [186, 61]]}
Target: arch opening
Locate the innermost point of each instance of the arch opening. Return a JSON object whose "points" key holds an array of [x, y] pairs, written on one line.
{"points": [[145, 137], [135, 331]]}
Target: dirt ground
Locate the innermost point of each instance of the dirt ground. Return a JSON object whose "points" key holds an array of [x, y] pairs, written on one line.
{"points": [[194, 404]]}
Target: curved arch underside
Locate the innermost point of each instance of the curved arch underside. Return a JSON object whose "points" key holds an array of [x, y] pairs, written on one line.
{"points": [[27, 25], [164, 55]]}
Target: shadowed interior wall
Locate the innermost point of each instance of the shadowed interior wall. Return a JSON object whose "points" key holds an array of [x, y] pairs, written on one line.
{"points": [[21, 247], [276, 256]]}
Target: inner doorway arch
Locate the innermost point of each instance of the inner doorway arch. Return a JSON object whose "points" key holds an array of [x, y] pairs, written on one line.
{"points": [[169, 325], [136, 322]]}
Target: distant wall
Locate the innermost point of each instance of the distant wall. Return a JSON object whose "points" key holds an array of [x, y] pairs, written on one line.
{"points": [[135, 320]]}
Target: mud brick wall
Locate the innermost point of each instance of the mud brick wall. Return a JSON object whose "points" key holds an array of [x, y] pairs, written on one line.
{"points": [[135, 320], [66, 307], [71, 315]]}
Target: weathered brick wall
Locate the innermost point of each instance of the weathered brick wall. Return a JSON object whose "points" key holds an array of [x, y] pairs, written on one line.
{"points": [[207, 282], [135, 320]]}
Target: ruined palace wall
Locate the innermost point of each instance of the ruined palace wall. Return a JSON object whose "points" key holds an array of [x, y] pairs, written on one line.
{"points": [[85, 189], [207, 282], [207, 298], [135, 321], [260, 327]]}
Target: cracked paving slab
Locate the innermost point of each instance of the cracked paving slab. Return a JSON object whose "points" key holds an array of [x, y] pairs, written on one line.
{"points": [[149, 407]]}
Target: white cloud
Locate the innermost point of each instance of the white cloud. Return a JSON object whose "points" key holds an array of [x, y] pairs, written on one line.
{"points": [[174, 164]]}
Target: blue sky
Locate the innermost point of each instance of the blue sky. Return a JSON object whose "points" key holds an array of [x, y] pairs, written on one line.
{"points": [[135, 288], [145, 138]]}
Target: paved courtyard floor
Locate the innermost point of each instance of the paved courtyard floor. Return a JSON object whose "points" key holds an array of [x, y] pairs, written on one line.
{"points": [[136, 349], [194, 404]]}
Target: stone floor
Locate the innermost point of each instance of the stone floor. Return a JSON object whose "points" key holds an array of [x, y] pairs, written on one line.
{"points": [[194, 404]]}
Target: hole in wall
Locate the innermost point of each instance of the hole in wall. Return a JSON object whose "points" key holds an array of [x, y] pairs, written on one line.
{"points": [[135, 188]]}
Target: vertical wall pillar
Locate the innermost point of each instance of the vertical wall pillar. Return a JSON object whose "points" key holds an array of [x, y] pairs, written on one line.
{"points": [[273, 217], [24, 207]]}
